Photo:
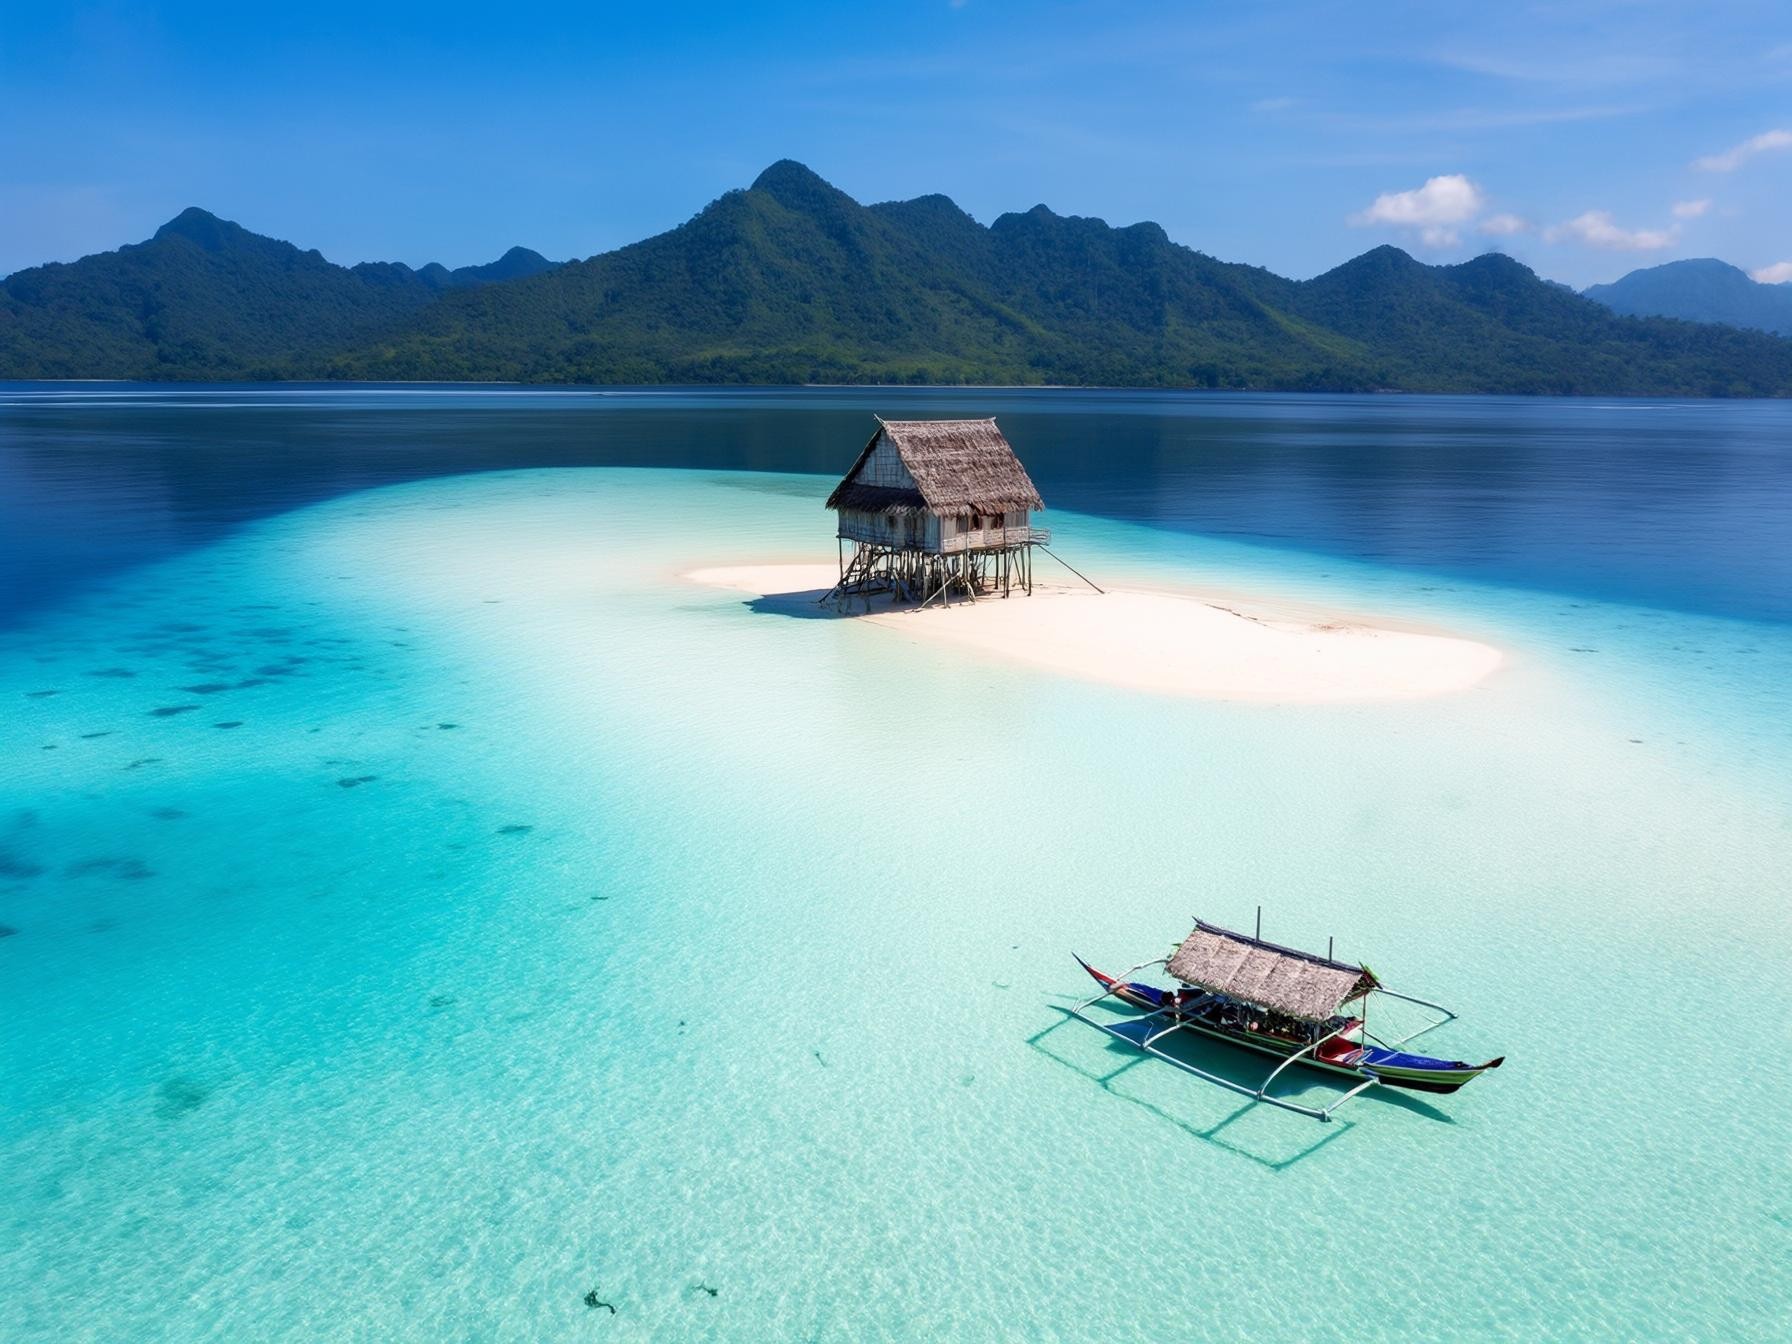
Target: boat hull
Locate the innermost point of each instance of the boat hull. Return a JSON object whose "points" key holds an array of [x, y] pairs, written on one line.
{"points": [[1349, 1058]]}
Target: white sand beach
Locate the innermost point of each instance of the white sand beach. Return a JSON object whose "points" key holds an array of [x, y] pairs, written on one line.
{"points": [[1168, 642]]}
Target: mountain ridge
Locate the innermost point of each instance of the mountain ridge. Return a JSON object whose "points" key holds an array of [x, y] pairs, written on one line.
{"points": [[790, 280], [1699, 289], [204, 297]]}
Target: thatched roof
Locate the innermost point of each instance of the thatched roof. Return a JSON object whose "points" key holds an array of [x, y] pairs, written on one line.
{"points": [[1297, 984], [959, 466]]}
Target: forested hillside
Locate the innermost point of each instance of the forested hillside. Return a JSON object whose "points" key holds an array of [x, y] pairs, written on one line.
{"points": [[792, 281]]}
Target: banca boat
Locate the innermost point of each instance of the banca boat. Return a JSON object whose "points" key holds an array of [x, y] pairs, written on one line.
{"points": [[1301, 1008]]}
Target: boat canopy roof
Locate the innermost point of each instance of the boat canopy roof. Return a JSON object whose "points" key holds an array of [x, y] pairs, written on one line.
{"points": [[1279, 979]]}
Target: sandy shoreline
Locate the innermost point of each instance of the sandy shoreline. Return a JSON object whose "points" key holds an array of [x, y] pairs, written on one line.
{"points": [[1170, 643]]}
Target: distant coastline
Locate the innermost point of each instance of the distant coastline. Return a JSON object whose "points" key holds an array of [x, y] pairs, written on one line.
{"points": [[791, 282], [376, 384]]}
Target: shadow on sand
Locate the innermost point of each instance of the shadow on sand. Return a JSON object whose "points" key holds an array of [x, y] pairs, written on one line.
{"points": [[805, 606]]}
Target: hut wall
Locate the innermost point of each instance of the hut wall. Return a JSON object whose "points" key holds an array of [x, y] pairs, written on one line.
{"points": [[884, 529], [884, 467], [928, 532]]}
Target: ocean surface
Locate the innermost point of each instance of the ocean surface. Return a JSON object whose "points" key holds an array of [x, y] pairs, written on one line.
{"points": [[429, 916]]}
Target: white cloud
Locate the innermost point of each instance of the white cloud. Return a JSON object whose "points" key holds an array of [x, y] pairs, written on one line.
{"points": [[1776, 274], [1436, 209], [1737, 155], [1597, 228], [1503, 226], [1690, 209]]}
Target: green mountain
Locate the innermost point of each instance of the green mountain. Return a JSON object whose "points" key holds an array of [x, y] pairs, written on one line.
{"points": [[791, 281], [1700, 290], [1490, 325], [205, 298]]}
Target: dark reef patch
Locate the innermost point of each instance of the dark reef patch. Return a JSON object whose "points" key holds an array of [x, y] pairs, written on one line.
{"points": [[18, 869], [179, 1096], [207, 688], [126, 870], [119, 672], [593, 1300], [88, 737], [39, 695], [355, 781], [168, 813], [169, 711], [143, 760], [514, 829], [229, 723], [7, 931]]}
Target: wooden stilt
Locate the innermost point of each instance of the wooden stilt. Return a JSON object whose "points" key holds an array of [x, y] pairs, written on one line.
{"points": [[914, 574]]}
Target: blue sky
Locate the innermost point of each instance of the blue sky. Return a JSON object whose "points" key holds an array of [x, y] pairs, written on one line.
{"points": [[1586, 139]]}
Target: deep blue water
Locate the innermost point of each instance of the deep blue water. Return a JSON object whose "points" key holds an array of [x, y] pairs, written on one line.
{"points": [[1685, 505]]}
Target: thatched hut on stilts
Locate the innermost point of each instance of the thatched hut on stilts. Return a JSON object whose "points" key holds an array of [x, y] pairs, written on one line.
{"points": [[936, 509]]}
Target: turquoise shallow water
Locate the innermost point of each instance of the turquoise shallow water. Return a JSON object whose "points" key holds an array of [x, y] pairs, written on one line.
{"points": [[430, 909]]}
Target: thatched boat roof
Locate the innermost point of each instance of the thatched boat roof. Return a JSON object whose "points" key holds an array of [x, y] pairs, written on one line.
{"points": [[1281, 979], [959, 466]]}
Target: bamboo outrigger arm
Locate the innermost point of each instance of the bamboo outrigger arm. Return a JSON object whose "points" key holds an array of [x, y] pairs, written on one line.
{"points": [[1448, 1016], [1255, 1095], [1114, 988], [1176, 1024], [1306, 1049]]}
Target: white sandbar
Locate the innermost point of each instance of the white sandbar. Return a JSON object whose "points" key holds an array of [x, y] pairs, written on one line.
{"points": [[1168, 642]]}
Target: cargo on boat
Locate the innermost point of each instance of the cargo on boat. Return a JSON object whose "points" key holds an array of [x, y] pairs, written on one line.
{"points": [[1296, 1006]]}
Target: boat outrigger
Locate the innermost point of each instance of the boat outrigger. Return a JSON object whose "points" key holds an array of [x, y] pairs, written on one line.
{"points": [[1297, 1006]]}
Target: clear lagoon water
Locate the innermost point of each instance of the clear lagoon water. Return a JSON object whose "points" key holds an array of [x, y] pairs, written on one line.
{"points": [[424, 909]]}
